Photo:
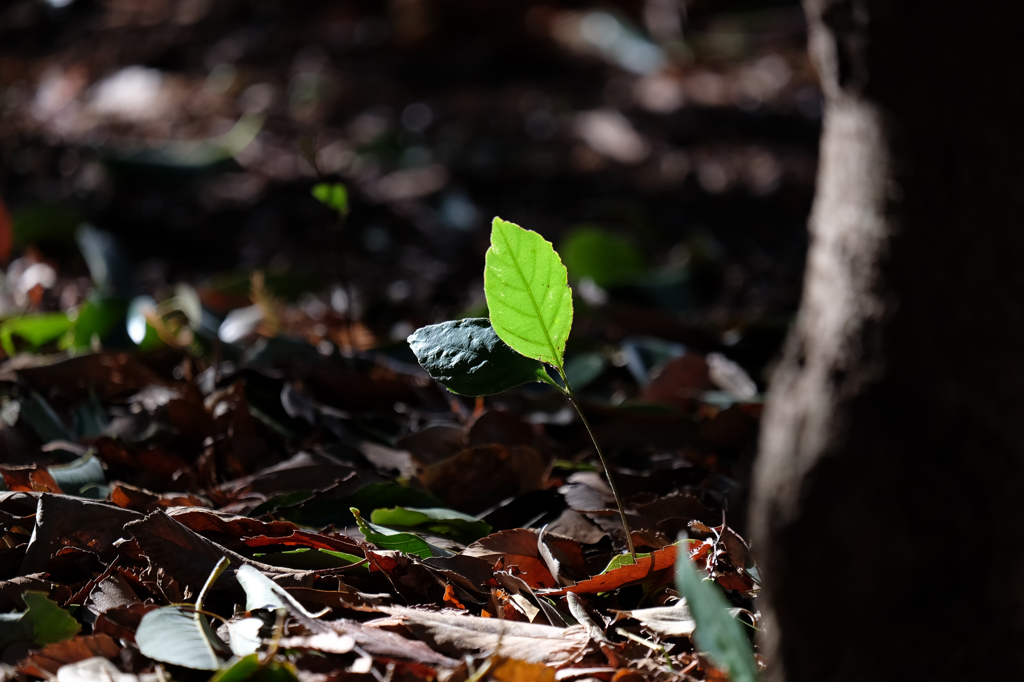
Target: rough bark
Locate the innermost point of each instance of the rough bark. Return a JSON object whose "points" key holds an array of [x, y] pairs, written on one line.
{"points": [[888, 503]]}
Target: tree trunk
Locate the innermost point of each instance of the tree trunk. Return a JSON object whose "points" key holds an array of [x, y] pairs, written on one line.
{"points": [[888, 501]]}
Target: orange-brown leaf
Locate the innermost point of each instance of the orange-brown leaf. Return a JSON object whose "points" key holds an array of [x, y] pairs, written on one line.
{"points": [[645, 567], [29, 479]]}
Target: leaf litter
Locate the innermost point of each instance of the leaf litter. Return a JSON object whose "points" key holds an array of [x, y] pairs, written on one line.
{"points": [[443, 560]]}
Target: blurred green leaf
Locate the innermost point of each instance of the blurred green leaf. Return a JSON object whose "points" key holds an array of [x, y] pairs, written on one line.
{"points": [[51, 225], [604, 256], [584, 368], [37, 330], [99, 317], [333, 195], [718, 632]]}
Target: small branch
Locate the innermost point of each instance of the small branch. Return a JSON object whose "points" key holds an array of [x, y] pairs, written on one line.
{"points": [[604, 463]]}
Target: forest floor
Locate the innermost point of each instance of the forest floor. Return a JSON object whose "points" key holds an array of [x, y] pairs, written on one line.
{"points": [[202, 361]]}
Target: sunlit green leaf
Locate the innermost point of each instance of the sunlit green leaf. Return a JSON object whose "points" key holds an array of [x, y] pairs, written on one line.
{"points": [[469, 359], [718, 632], [436, 521], [171, 635], [527, 292]]}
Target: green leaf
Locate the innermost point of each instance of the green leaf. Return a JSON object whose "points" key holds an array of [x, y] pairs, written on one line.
{"points": [[171, 635], [251, 669], [42, 623], [308, 559], [527, 292], [321, 508], [98, 317], [582, 369], [385, 538], [605, 257], [718, 633], [333, 195], [43, 419], [35, 329], [436, 521], [469, 359], [49, 623], [86, 471]]}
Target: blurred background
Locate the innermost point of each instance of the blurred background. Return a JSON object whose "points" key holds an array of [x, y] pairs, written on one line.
{"points": [[157, 159]]}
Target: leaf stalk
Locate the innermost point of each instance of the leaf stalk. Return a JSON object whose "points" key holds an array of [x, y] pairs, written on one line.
{"points": [[604, 462]]}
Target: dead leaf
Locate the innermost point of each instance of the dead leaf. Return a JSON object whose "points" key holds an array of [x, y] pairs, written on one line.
{"points": [[31, 478], [48, 660], [518, 547], [512, 670], [456, 635], [658, 565], [478, 477]]}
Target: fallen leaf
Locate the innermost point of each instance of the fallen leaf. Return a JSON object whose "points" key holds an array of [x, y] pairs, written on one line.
{"points": [[652, 566], [456, 635], [48, 660], [518, 547]]}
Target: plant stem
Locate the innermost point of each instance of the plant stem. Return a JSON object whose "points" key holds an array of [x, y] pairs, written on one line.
{"points": [[604, 463]]}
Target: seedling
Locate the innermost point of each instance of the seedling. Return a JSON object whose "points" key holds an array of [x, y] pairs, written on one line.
{"points": [[530, 306]]}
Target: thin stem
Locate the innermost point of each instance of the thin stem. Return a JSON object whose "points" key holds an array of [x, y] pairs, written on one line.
{"points": [[604, 463]]}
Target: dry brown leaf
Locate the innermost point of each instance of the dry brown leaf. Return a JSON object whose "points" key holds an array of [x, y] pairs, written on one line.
{"points": [[31, 478], [48, 660], [477, 477], [518, 547], [457, 634]]}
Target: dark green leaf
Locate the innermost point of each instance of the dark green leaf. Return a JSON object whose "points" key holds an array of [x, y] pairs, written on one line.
{"points": [[86, 471], [103, 318], [437, 521], [34, 329], [469, 359], [718, 632]]}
